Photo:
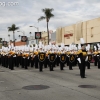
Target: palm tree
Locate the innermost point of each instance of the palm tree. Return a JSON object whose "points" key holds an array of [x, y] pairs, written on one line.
{"points": [[13, 28], [47, 15], [9, 36]]}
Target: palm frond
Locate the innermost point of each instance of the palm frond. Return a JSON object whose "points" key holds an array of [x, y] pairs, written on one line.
{"points": [[47, 10], [13, 28], [41, 18], [16, 28]]}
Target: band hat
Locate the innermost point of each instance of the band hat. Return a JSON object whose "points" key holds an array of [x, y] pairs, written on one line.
{"points": [[12, 45], [40, 46], [95, 48], [31, 49], [69, 48], [87, 48], [82, 41], [40, 43], [76, 48], [61, 48], [53, 46], [79, 47], [45, 48], [98, 45], [36, 46], [99, 48], [88, 45], [56, 45], [62, 44], [9, 46]]}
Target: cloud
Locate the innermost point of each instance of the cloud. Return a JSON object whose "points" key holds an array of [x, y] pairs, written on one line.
{"points": [[26, 13]]}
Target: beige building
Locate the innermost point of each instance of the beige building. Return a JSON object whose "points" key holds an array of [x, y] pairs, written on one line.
{"points": [[44, 38], [88, 30]]}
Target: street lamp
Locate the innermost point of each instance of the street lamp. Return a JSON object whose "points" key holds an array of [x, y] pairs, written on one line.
{"points": [[37, 31], [35, 27], [22, 32]]}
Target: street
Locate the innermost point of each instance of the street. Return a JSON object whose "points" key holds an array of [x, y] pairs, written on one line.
{"points": [[21, 84]]}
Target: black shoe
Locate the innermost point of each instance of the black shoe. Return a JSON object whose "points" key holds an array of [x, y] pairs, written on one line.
{"points": [[83, 77], [51, 70]]}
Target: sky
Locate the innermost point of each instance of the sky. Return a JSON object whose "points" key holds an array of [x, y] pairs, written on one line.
{"points": [[25, 13]]}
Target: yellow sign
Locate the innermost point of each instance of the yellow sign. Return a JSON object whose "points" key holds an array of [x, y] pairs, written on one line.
{"points": [[52, 57], [63, 58], [41, 56], [72, 58]]}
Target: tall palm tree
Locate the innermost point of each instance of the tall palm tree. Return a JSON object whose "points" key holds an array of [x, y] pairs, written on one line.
{"points": [[47, 15], [13, 28], [9, 36]]}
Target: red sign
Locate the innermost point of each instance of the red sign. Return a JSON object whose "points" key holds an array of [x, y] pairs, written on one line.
{"points": [[67, 35]]}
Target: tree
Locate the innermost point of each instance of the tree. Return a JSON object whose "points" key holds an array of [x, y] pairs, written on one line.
{"points": [[47, 15], [13, 28]]}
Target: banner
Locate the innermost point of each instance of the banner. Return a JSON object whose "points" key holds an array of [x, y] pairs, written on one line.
{"points": [[52, 57], [89, 58], [72, 58], [42, 56], [37, 35], [4, 43], [63, 58], [23, 38]]}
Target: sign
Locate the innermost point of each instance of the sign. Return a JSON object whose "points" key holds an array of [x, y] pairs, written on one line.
{"points": [[52, 57], [37, 35], [23, 38], [42, 56], [63, 58], [89, 58], [4, 43], [72, 58]]}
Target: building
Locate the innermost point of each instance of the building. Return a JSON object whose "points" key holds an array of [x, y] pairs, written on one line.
{"points": [[88, 30], [53, 38], [19, 43], [44, 38]]}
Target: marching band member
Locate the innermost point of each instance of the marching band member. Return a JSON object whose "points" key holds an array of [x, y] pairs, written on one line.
{"points": [[11, 60], [63, 58], [71, 58], [32, 56], [51, 63], [82, 59], [46, 59], [89, 57], [95, 56], [36, 56], [41, 57], [98, 56]]}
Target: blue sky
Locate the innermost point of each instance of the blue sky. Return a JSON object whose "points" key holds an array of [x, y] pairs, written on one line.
{"points": [[27, 12]]}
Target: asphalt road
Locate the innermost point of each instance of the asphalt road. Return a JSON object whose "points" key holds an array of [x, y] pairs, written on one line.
{"points": [[61, 85]]}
